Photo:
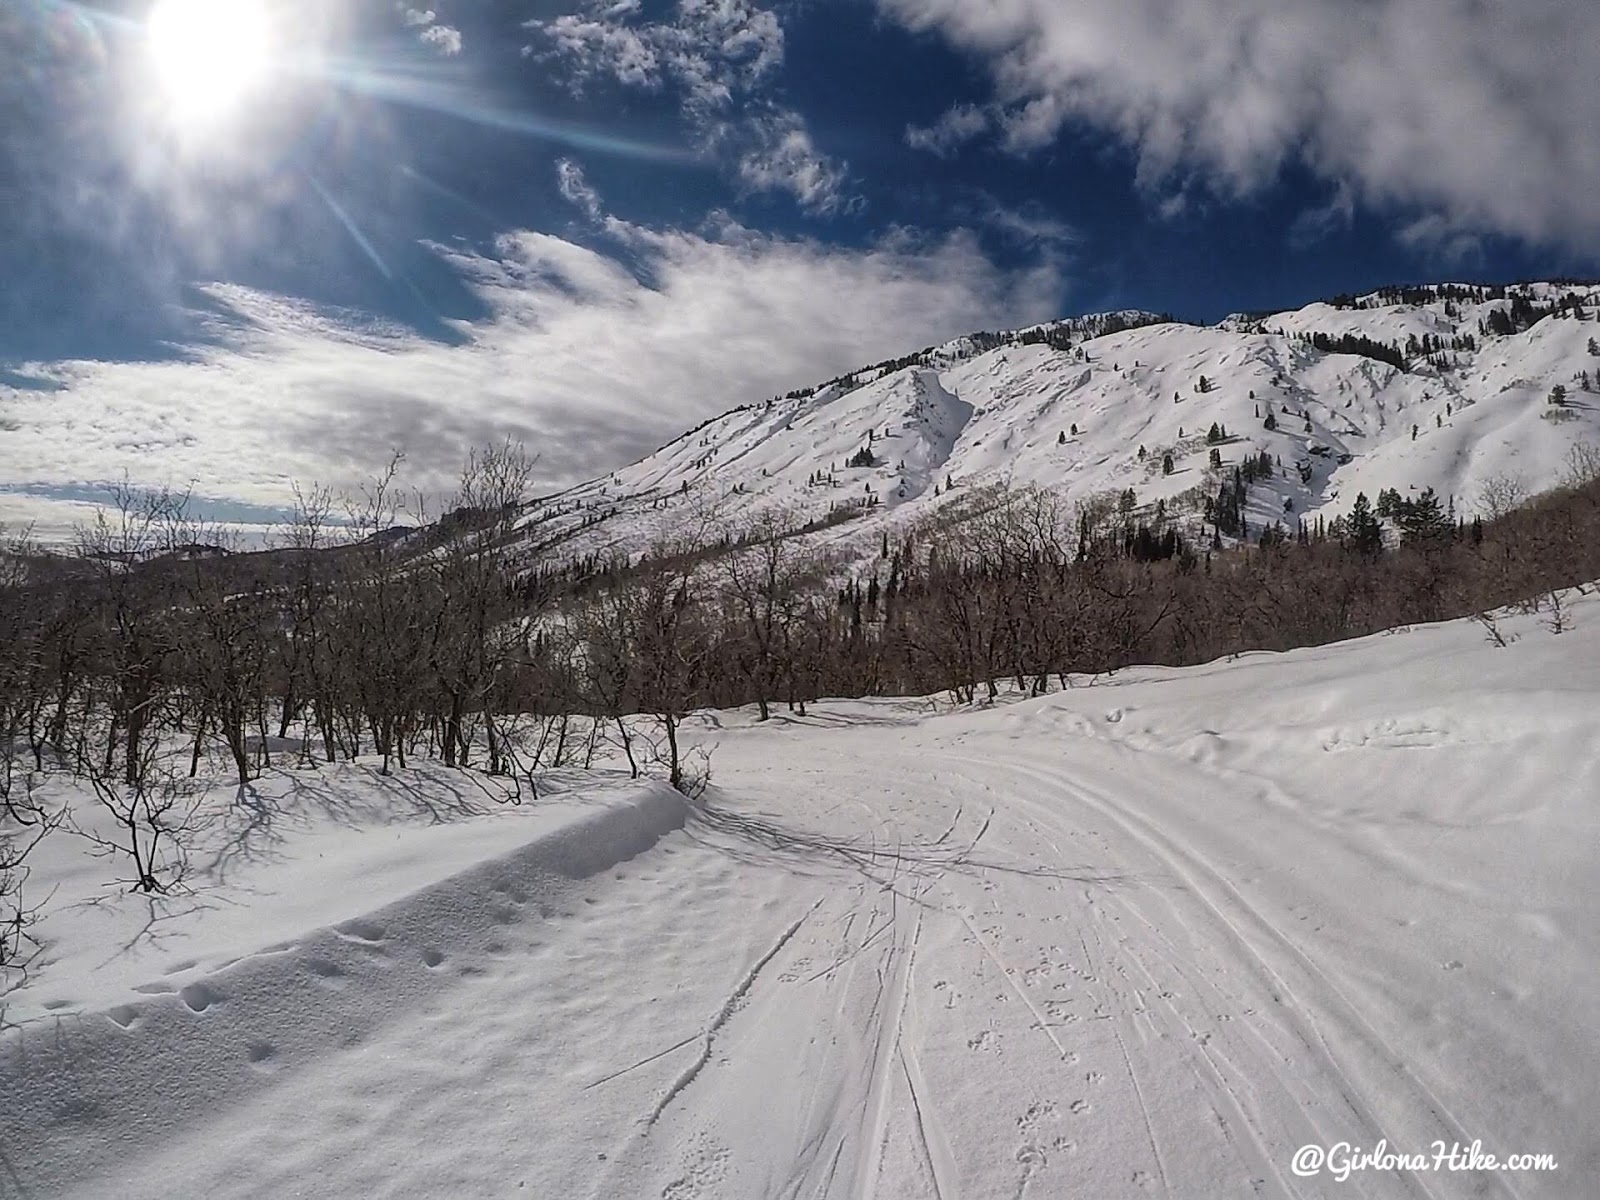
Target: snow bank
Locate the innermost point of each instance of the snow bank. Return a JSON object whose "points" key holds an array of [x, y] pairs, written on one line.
{"points": [[82, 1092]]}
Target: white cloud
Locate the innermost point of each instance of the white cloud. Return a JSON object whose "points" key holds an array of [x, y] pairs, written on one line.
{"points": [[575, 189], [1482, 112], [784, 159], [1029, 225], [719, 58], [954, 129], [711, 49], [602, 48], [444, 38], [1435, 237], [582, 360], [1316, 224]]}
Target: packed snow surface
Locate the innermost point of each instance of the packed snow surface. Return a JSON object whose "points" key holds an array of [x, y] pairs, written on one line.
{"points": [[1146, 936]]}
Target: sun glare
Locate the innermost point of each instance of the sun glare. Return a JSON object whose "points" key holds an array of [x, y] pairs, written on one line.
{"points": [[208, 55]]}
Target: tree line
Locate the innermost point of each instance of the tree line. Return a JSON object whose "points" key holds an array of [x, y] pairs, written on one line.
{"points": [[152, 652]]}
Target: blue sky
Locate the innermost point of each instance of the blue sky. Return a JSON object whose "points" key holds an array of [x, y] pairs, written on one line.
{"points": [[591, 223]]}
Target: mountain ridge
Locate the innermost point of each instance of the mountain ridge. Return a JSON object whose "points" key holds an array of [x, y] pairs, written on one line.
{"points": [[1445, 386]]}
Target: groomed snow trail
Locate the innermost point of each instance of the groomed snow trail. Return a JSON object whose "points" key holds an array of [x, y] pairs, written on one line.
{"points": [[1142, 938]]}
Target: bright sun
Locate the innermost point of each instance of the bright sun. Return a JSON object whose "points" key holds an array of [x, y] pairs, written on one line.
{"points": [[209, 55]]}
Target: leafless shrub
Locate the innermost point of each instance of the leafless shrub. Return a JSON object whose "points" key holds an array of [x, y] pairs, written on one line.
{"points": [[1491, 626], [1555, 617], [1583, 465], [24, 822], [1502, 494], [153, 815]]}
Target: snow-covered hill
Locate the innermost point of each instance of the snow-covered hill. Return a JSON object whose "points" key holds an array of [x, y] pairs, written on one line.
{"points": [[1445, 387], [1146, 936]]}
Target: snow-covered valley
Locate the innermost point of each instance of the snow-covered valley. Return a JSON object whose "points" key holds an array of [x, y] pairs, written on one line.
{"points": [[1146, 936]]}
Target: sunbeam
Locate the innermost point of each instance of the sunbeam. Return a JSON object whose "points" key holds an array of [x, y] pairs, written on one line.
{"points": [[413, 92], [455, 197], [354, 230]]}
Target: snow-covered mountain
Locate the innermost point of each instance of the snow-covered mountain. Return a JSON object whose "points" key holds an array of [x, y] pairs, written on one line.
{"points": [[1445, 386]]}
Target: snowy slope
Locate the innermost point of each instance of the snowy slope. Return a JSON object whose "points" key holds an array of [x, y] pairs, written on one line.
{"points": [[970, 416], [1146, 937]]}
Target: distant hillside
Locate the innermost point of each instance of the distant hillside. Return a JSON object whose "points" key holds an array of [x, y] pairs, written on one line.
{"points": [[1443, 386]]}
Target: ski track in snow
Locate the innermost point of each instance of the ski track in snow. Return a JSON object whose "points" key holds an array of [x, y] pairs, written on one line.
{"points": [[1104, 943]]}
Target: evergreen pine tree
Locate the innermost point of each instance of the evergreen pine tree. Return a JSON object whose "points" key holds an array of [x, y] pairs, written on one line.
{"points": [[1366, 534], [1423, 520]]}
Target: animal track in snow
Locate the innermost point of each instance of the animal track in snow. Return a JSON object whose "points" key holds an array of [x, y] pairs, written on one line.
{"points": [[1041, 1110], [329, 974], [1032, 1157], [124, 1015], [704, 1168], [199, 997]]}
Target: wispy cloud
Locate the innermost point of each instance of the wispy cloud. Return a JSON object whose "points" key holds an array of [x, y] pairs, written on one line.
{"points": [[1436, 238], [1481, 113], [590, 362], [1027, 225], [575, 189], [713, 50], [719, 60], [781, 157], [1323, 221], [954, 128]]}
